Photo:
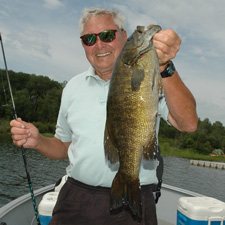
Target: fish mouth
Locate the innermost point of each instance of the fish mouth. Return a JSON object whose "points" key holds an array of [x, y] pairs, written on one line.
{"points": [[142, 41], [134, 60], [141, 52]]}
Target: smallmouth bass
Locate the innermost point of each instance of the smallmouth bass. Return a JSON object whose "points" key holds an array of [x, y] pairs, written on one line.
{"points": [[132, 107]]}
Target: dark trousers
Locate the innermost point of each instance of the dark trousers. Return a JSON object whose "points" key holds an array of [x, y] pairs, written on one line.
{"points": [[81, 204]]}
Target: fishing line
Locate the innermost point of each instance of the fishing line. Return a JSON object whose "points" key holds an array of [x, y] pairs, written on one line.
{"points": [[3, 88], [22, 149]]}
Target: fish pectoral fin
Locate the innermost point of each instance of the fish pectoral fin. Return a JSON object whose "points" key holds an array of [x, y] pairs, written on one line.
{"points": [[137, 77], [111, 152], [161, 90], [150, 150]]}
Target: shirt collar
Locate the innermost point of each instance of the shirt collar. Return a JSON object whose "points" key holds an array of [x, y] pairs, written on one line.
{"points": [[91, 73]]}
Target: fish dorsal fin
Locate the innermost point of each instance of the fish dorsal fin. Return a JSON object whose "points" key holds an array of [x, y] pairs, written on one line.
{"points": [[111, 152], [137, 77]]}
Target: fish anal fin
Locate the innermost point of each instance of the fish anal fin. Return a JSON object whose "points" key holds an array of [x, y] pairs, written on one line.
{"points": [[111, 152], [137, 77]]}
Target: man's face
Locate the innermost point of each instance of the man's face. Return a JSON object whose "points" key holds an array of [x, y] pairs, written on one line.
{"points": [[102, 56]]}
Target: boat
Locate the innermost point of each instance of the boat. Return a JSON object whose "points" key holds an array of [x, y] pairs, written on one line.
{"points": [[20, 211]]}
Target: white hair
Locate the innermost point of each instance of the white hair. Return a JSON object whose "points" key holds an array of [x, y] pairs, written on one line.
{"points": [[118, 18]]}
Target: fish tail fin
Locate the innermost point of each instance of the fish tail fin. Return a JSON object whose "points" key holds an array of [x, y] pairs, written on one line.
{"points": [[127, 193]]}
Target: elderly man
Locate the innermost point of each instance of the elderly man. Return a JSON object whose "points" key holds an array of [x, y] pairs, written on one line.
{"points": [[84, 199]]}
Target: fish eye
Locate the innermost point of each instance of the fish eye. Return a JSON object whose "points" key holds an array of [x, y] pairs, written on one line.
{"points": [[140, 29]]}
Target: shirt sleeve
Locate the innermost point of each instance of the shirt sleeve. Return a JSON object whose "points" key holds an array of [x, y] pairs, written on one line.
{"points": [[63, 131], [163, 110]]}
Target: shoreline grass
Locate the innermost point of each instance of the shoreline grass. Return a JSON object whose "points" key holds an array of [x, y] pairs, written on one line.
{"points": [[167, 150]]}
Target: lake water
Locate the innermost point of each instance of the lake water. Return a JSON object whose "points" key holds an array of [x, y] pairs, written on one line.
{"points": [[13, 182]]}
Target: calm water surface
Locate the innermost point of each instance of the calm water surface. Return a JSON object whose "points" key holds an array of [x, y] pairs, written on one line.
{"points": [[13, 182]]}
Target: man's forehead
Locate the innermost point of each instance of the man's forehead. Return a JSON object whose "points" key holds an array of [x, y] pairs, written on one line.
{"points": [[97, 23]]}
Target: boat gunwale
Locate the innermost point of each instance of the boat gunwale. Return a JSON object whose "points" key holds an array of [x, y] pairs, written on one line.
{"points": [[182, 191], [24, 198]]}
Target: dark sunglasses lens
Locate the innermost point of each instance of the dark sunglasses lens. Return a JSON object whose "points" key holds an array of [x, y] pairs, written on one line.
{"points": [[107, 36], [89, 39]]}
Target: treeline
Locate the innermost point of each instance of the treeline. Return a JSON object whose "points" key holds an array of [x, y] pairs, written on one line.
{"points": [[37, 100], [205, 140]]}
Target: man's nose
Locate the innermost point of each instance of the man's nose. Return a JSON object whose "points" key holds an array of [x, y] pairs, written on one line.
{"points": [[99, 42]]}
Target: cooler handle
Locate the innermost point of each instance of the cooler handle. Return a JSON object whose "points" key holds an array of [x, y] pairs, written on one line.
{"points": [[217, 219]]}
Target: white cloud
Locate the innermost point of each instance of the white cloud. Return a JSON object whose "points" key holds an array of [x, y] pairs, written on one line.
{"points": [[210, 110], [3, 13], [134, 17], [203, 59], [197, 50], [30, 42], [52, 4]]}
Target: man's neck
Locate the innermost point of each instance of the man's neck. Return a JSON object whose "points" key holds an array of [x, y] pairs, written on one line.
{"points": [[104, 75]]}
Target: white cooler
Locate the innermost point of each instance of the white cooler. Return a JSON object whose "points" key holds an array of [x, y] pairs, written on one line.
{"points": [[46, 207], [48, 202], [200, 211]]}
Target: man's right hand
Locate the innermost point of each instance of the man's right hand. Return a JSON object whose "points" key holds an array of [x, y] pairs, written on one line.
{"points": [[24, 134]]}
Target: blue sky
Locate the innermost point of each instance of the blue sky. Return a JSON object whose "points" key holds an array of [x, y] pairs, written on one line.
{"points": [[41, 37]]}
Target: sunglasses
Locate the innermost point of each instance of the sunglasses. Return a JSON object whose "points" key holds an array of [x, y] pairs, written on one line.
{"points": [[105, 36]]}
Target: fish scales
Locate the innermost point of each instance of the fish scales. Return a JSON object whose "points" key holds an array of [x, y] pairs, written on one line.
{"points": [[131, 115]]}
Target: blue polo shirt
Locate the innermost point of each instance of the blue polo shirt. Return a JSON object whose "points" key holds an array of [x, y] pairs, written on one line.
{"points": [[81, 121]]}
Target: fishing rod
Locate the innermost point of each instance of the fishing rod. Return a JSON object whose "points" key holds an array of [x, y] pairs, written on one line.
{"points": [[22, 149]]}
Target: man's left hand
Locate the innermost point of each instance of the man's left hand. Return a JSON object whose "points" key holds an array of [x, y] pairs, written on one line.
{"points": [[167, 44]]}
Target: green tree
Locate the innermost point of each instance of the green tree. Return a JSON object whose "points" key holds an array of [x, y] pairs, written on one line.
{"points": [[37, 98]]}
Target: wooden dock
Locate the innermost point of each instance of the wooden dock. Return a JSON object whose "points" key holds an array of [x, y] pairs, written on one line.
{"points": [[215, 165]]}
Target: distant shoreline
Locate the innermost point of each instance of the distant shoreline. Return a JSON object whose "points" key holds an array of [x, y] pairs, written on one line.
{"points": [[166, 150], [188, 154]]}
